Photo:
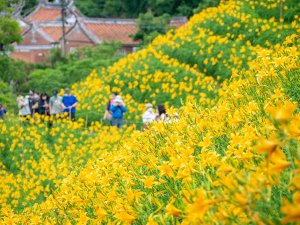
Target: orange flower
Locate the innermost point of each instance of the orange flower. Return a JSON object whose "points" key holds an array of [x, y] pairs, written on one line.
{"points": [[267, 146], [172, 210], [292, 210], [196, 210]]}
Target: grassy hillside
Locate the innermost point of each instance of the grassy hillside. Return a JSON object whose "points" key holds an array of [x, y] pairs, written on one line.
{"points": [[215, 43], [236, 162], [233, 156]]}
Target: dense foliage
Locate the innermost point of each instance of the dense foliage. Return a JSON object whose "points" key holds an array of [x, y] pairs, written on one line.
{"points": [[58, 72], [232, 157], [150, 26], [9, 28], [132, 8], [64, 72], [180, 65]]}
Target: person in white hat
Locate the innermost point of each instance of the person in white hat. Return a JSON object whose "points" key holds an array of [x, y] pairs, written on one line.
{"points": [[117, 109], [148, 116]]}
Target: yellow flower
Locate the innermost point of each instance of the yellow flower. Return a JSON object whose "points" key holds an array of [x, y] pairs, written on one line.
{"points": [[151, 221], [100, 213], [125, 217], [165, 170], [83, 219], [198, 208], [267, 146], [171, 210], [149, 182], [291, 210], [279, 165]]}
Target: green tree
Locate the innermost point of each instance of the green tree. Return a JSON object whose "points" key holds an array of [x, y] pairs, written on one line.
{"points": [[132, 8], [150, 26], [6, 97], [66, 71], [29, 6], [206, 4], [9, 28], [15, 73], [91, 8]]}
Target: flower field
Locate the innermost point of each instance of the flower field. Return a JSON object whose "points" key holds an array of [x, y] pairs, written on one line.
{"points": [[233, 157]]}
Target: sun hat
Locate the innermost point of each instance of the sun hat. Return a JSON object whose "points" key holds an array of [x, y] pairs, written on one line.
{"points": [[118, 99], [149, 105]]}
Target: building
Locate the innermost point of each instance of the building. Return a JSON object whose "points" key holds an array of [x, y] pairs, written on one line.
{"points": [[42, 31]]}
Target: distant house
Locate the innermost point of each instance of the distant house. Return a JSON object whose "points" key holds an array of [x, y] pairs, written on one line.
{"points": [[42, 31]]}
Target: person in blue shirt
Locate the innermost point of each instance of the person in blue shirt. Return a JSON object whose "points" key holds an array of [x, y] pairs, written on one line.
{"points": [[117, 109], [2, 112], [69, 102]]}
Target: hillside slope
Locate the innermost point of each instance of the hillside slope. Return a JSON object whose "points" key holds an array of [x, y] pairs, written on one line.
{"points": [[179, 66], [237, 162], [233, 156]]}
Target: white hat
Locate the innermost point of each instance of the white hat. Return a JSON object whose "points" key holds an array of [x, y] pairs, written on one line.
{"points": [[148, 105], [118, 99]]}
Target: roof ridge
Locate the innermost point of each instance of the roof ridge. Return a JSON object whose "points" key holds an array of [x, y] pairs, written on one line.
{"points": [[110, 20], [88, 32], [42, 33], [51, 23]]}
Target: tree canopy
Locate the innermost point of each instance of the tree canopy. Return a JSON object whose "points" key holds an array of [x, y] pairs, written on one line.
{"points": [[130, 8], [9, 28]]}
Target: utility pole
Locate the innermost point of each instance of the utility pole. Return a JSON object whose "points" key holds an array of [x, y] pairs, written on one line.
{"points": [[63, 20]]}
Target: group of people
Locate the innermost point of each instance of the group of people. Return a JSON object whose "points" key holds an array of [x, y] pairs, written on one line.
{"points": [[66, 105], [116, 108], [44, 105]]}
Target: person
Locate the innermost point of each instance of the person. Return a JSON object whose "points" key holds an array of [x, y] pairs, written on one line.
{"points": [[33, 101], [161, 113], [69, 103], [55, 105], [23, 105], [43, 104], [148, 115], [107, 114], [30, 99], [117, 109], [2, 111]]}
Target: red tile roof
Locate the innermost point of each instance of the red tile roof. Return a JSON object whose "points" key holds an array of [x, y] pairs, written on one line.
{"points": [[43, 14], [176, 24], [55, 32], [113, 32]]}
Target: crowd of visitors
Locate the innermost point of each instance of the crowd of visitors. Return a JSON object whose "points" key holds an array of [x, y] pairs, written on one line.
{"points": [[42, 104], [65, 105]]}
